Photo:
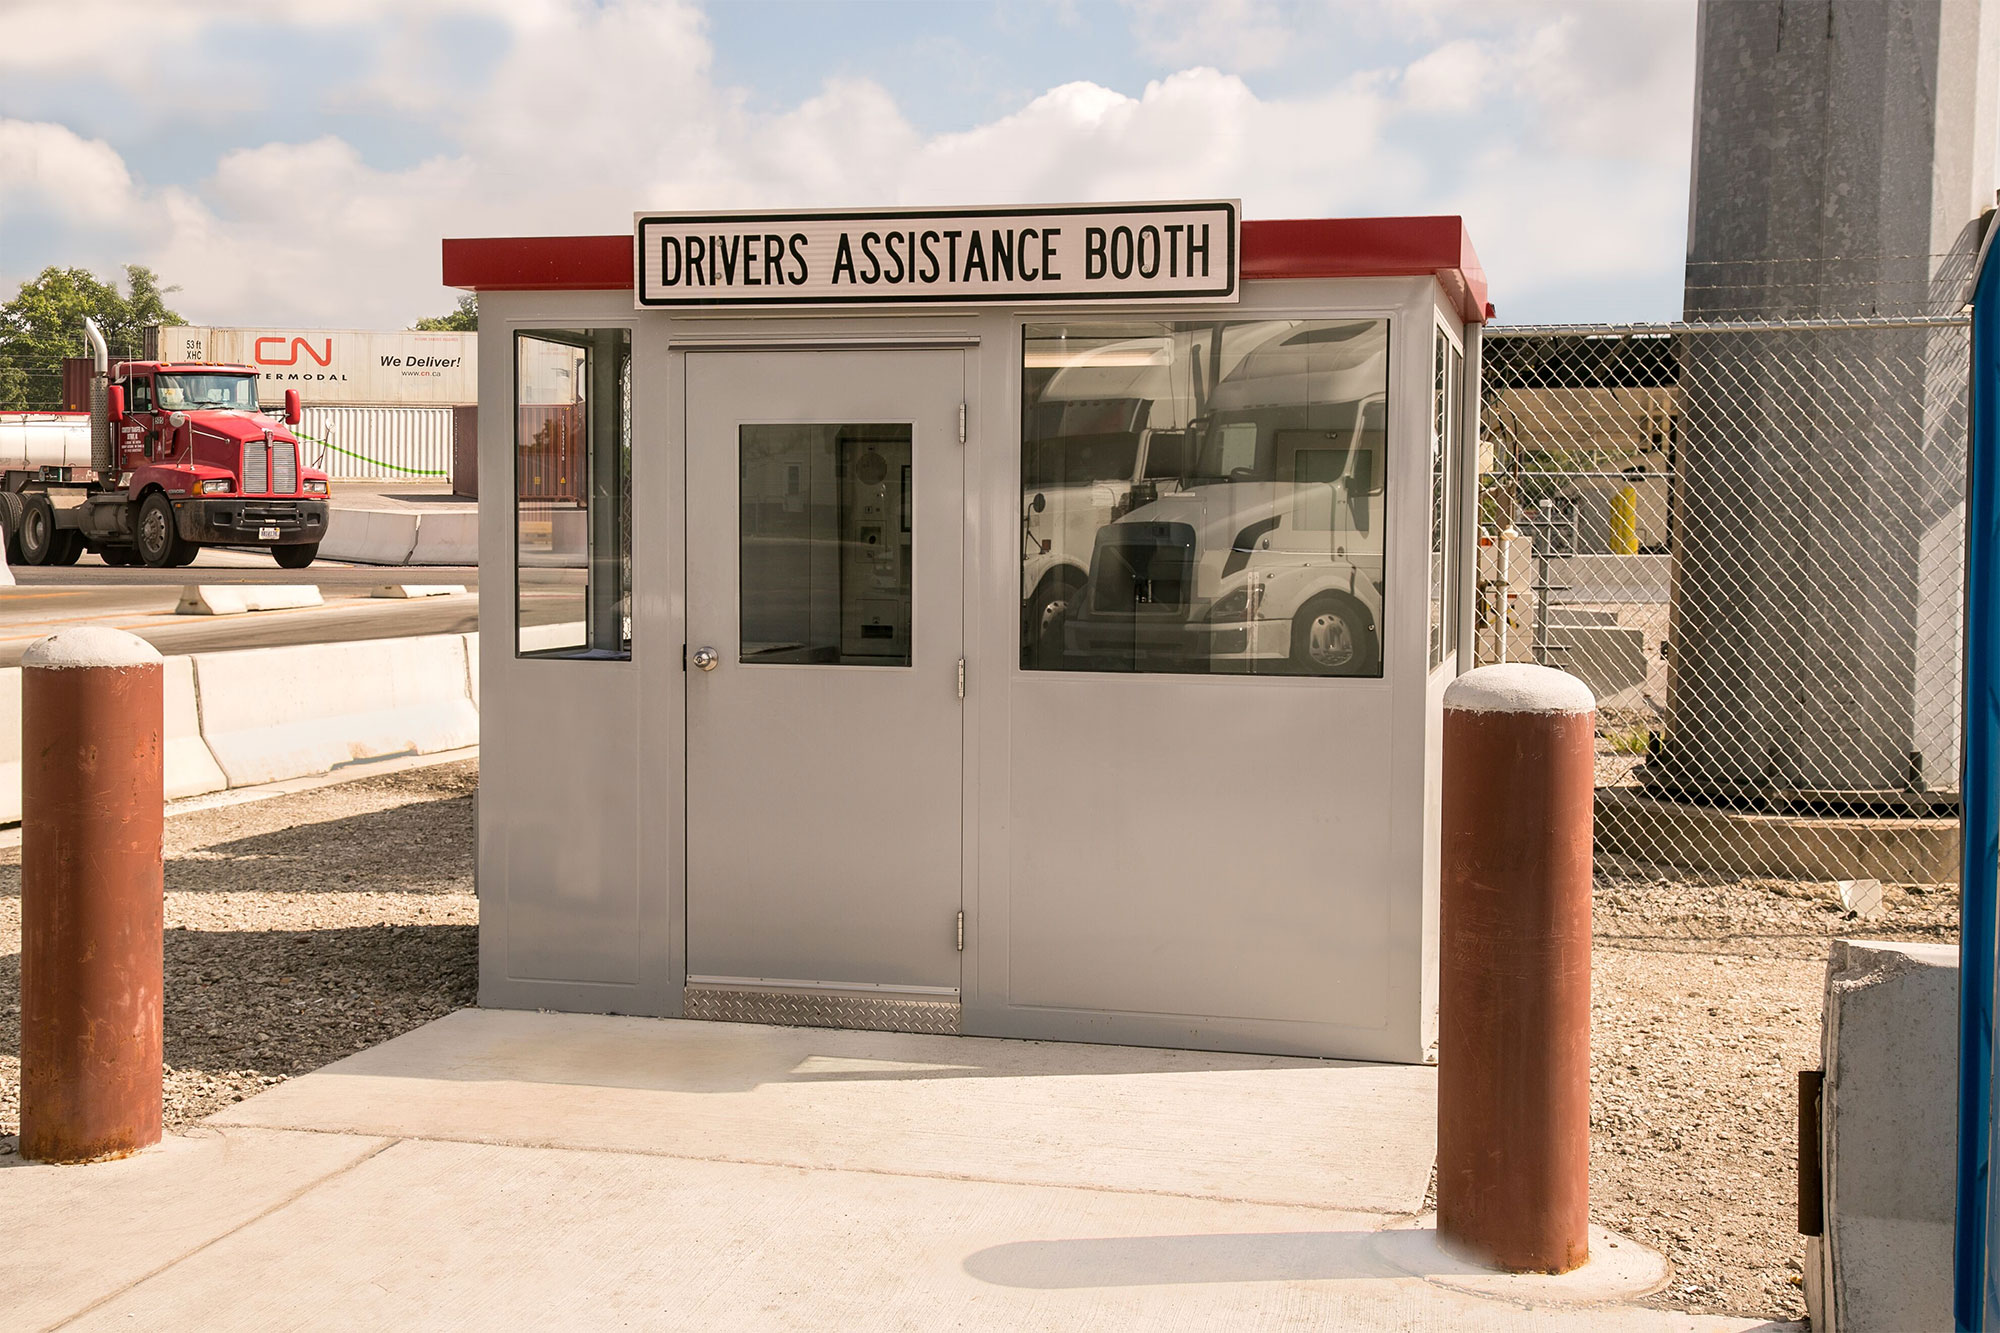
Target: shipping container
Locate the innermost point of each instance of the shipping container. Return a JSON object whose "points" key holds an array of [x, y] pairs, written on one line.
{"points": [[337, 367], [378, 443]]}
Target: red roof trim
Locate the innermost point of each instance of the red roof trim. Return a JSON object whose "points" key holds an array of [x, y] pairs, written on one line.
{"points": [[1295, 248]]}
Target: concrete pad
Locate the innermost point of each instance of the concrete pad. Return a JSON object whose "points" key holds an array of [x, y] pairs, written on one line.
{"points": [[1258, 1128], [406, 590], [450, 1235], [71, 1236], [231, 599]]}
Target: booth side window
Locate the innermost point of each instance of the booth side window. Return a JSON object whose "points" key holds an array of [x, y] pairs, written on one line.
{"points": [[1204, 497], [1454, 446], [1447, 414], [573, 493]]}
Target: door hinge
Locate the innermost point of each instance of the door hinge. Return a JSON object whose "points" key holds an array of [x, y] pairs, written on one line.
{"points": [[961, 678], [961, 423], [961, 930]]}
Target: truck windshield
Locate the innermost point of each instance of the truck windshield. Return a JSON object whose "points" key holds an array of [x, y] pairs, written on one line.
{"points": [[177, 393]]}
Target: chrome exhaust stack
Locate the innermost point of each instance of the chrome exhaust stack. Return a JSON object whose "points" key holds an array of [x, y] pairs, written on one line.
{"points": [[100, 396]]}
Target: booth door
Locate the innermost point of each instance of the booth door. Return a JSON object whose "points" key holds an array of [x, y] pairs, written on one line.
{"points": [[824, 737]]}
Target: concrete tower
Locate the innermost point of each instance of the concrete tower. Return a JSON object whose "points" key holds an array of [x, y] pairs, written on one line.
{"points": [[1843, 155]]}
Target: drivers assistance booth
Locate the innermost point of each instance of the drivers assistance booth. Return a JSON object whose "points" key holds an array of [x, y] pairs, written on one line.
{"points": [[1025, 622]]}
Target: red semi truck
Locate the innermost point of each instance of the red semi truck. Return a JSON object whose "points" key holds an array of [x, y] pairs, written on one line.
{"points": [[181, 456]]}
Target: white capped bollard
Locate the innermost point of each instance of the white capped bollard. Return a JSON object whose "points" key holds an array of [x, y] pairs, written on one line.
{"points": [[1513, 1166]]}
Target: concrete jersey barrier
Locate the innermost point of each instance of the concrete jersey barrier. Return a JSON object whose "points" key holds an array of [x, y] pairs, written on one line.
{"points": [[189, 768], [402, 537], [274, 713]]}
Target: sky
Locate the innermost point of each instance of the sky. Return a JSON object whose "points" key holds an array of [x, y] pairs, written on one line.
{"points": [[296, 162]]}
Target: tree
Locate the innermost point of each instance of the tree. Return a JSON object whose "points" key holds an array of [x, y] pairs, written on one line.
{"points": [[44, 323], [465, 319]]}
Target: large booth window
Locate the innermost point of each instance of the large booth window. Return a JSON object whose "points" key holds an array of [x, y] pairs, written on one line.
{"points": [[1204, 496], [573, 493]]}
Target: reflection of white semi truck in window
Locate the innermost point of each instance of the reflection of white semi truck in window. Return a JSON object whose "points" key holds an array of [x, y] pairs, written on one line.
{"points": [[1249, 534]]}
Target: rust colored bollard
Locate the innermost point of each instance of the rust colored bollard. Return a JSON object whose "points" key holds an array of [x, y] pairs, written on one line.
{"points": [[1513, 1186], [91, 895]]}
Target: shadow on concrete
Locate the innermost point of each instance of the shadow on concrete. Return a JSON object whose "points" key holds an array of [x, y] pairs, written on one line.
{"points": [[1281, 1256]]}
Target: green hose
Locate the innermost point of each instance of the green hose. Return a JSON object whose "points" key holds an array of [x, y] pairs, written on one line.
{"points": [[364, 458]]}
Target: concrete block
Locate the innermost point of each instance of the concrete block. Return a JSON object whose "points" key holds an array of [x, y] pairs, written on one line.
{"points": [[400, 590], [370, 536], [191, 769], [10, 745], [447, 538], [1703, 837], [1888, 1138], [223, 599], [275, 713], [1612, 578], [1611, 659]]}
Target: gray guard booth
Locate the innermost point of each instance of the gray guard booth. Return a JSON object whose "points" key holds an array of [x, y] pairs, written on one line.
{"points": [[1022, 622]]}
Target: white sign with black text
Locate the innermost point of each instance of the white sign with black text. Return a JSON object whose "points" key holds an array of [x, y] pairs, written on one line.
{"points": [[960, 256]]}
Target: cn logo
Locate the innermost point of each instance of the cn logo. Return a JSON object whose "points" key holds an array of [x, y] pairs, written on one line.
{"points": [[289, 356]]}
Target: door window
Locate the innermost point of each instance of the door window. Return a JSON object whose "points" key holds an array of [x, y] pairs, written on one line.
{"points": [[824, 542]]}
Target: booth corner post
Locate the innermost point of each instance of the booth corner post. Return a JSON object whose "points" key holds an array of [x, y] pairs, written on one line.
{"points": [[1513, 1159], [92, 904], [1975, 1305]]}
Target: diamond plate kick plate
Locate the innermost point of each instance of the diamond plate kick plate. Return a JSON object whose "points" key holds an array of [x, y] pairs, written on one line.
{"points": [[822, 1009]]}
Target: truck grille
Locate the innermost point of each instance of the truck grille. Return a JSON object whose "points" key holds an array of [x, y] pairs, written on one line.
{"points": [[1142, 569], [256, 468], [284, 467]]}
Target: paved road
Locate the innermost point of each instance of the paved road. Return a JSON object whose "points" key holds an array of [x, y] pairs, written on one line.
{"points": [[143, 600]]}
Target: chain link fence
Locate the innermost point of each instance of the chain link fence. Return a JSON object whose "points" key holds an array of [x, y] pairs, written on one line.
{"points": [[1747, 537]]}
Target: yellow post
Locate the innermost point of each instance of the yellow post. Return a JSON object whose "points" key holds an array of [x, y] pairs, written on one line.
{"points": [[1625, 521]]}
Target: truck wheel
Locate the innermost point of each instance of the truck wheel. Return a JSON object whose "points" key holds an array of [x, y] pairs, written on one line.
{"points": [[184, 555], [1331, 637], [10, 523], [118, 557], [154, 534], [294, 557], [67, 547], [1042, 644], [38, 531]]}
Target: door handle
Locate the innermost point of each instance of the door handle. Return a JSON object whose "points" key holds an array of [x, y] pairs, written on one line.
{"points": [[706, 658]]}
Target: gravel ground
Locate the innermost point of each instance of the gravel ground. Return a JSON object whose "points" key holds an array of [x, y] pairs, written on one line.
{"points": [[1706, 1005], [300, 929]]}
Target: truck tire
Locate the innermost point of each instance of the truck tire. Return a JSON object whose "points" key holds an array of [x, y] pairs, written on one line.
{"points": [[67, 548], [1042, 634], [155, 537], [1331, 636], [10, 523], [118, 557], [38, 531], [294, 557]]}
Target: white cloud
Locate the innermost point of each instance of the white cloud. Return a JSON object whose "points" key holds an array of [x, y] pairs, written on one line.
{"points": [[1559, 135], [1239, 35], [53, 168]]}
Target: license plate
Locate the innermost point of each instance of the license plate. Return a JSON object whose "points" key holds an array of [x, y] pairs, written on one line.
{"points": [[267, 534]]}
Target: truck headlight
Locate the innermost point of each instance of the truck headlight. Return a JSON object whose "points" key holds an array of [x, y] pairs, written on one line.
{"points": [[315, 487], [1238, 604], [220, 486]]}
